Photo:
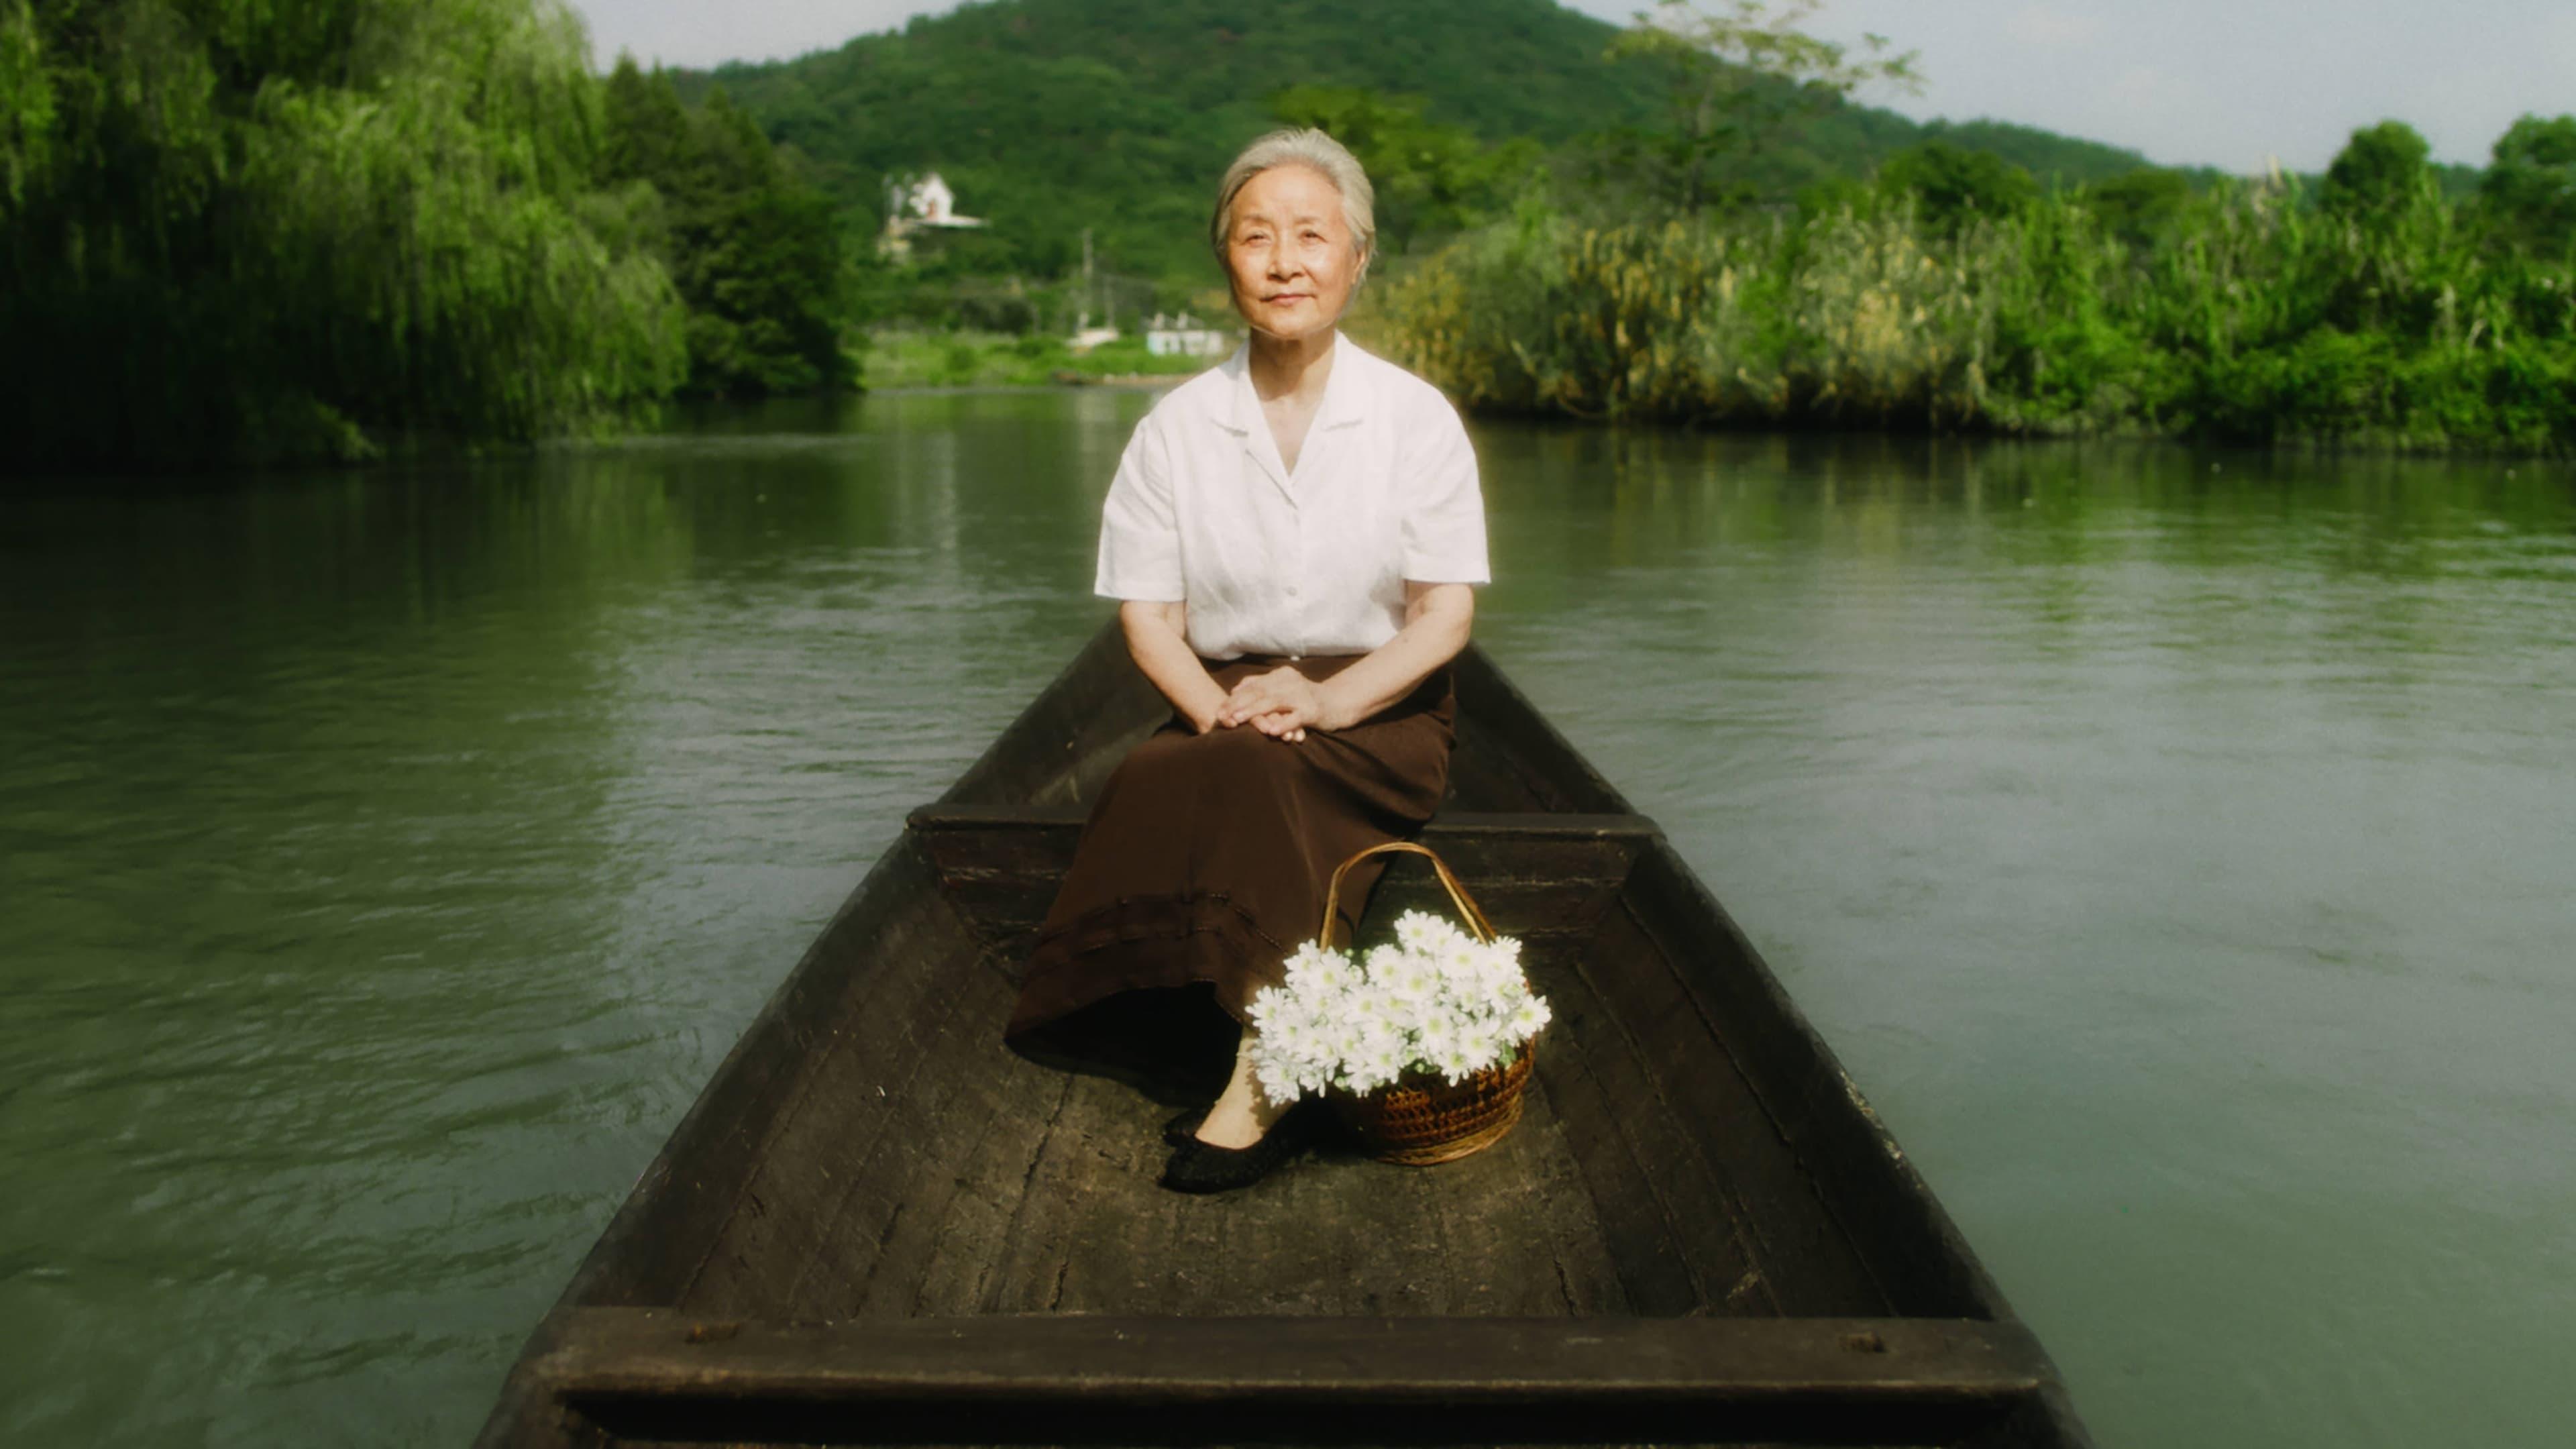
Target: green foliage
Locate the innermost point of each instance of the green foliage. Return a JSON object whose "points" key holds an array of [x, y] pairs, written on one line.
{"points": [[2064, 160], [1950, 185], [238, 230], [2379, 174], [2245, 313], [2529, 192], [755, 250], [990, 359], [1429, 178], [2140, 207]]}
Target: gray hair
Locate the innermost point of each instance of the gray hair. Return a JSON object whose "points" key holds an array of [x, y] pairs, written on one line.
{"points": [[1303, 147]]}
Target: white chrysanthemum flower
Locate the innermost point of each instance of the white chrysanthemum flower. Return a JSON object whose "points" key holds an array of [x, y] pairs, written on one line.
{"points": [[1527, 1015], [1436, 1000], [1481, 1045], [1292, 1036], [1411, 978], [1340, 1039], [1421, 932], [1459, 958], [1436, 1035], [1278, 1080], [1378, 1039], [1367, 1005], [1303, 962], [1453, 1062], [1267, 1004]]}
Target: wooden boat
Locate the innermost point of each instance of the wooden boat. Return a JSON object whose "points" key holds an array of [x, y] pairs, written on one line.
{"points": [[878, 1225]]}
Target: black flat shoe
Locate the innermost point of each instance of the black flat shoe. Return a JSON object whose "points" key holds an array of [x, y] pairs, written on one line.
{"points": [[1184, 1127], [1197, 1166]]}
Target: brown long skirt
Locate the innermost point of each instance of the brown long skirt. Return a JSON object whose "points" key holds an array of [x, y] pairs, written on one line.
{"points": [[1204, 863]]}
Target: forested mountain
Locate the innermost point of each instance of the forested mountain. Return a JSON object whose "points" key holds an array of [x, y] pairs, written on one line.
{"points": [[1050, 116]]}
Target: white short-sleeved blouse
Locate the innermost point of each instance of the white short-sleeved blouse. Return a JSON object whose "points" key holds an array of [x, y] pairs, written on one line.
{"points": [[1202, 511]]}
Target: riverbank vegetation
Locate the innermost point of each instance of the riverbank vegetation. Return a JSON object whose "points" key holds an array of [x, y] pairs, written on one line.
{"points": [[240, 232], [912, 358], [1958, 294], [1700, 219], [1953, 290]]}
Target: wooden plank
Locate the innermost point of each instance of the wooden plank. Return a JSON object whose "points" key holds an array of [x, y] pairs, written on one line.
{"points": [[1112, 1221], [1003, 910], [1562, 1213], [662, 1233], [1864, 1182], [1677, 1237], [860, 1080], [1072, 1379], [1507, 749], [1001, 867], [972, 816], [1697, 1118], [965, 1250], [1501, 1214], [868, 1255], [1068, 739], [1637, 1233]]}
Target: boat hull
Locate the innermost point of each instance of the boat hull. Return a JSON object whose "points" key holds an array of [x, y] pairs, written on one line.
{"points": [[878, 1225]]}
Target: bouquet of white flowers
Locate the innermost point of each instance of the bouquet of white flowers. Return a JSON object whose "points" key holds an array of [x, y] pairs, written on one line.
{"points": [[1434, 999], [1423, 1042]]}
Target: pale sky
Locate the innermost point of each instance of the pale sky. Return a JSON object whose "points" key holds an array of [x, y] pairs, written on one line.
{"points": [[2227, 83]]}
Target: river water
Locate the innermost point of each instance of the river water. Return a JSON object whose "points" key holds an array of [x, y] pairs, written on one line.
{"points": [[2175, 846]]}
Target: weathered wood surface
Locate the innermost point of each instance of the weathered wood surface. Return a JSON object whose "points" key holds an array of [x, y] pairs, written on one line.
{"points": [[1056, 1379], [871, 1158]]}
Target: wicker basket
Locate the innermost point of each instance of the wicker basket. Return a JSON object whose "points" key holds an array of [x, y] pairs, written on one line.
{"points": [[1422, 1118]]}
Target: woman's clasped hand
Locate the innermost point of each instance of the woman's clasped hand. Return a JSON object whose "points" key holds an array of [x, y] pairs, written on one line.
{"points": [[1281, 703]]}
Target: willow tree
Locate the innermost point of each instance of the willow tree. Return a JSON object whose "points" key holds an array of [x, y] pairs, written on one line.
{"points": [[240, 231]]}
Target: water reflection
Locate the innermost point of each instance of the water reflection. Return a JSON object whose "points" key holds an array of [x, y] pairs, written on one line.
{"points": [[2172, 847]]}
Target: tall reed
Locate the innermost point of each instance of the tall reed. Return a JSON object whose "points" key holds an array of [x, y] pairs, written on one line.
{"points": [[2261, 317]]}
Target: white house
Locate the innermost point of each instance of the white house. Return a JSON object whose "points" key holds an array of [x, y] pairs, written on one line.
{"points": [[931, 203], [1086, 337], [916, 203], [1182, 335]]}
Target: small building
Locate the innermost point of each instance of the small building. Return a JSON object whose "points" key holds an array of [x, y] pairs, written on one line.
{"points": [[1086, 337], [1182, 335]]}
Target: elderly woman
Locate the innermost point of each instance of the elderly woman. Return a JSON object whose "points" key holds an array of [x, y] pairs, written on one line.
{"points": [[1292, 535]]}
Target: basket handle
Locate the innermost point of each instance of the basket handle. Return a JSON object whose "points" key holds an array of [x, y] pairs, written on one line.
{"points": [[1466, 904]]}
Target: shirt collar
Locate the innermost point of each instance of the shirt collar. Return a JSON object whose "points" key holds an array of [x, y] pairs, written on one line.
{"points": [[1346, 391]]}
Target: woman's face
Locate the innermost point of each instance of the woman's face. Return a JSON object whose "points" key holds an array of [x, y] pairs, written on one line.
{"points": [[1288, 253]]}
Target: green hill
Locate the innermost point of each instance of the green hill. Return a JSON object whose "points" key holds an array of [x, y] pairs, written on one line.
{"points": [[1052, 116], [2044, 154]]}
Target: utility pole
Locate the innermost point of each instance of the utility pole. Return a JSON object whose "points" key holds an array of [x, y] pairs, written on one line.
{"points": [[1089, 295]]}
